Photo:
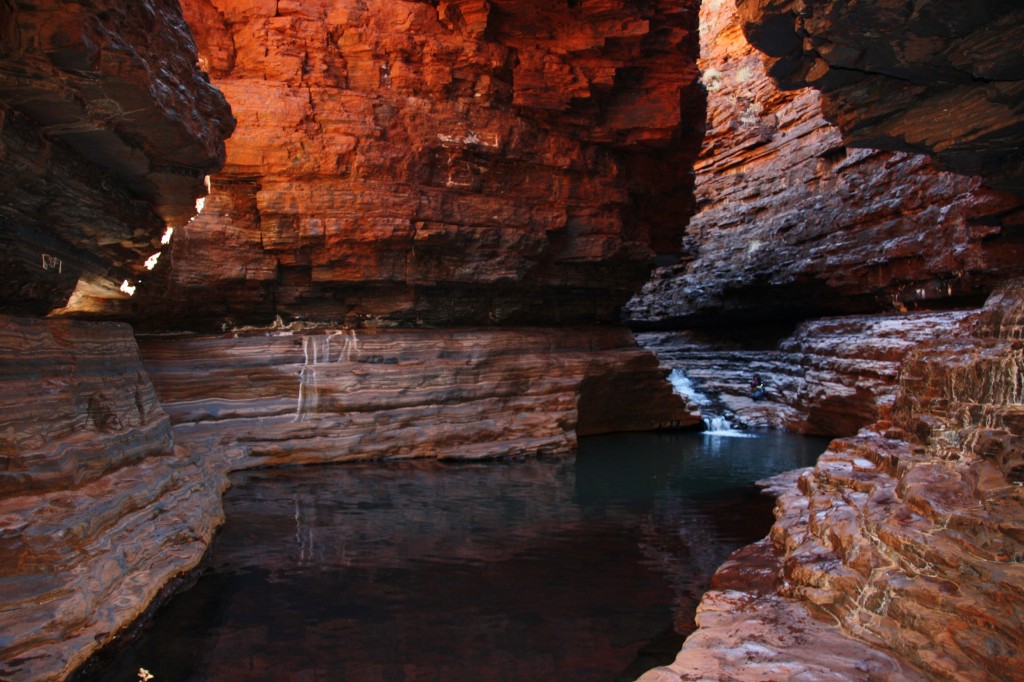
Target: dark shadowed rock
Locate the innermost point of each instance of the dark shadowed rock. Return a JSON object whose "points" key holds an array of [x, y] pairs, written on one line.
{"points": [[932, 76], [107, 129]]}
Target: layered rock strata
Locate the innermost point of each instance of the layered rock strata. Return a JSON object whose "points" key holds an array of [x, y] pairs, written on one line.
{"points": [[747, 631], [908, 75], [98, 509], [910, 536], [100, 506], [469, 162], [829, 377], [343, 395], [792, 224], [107, 129]]}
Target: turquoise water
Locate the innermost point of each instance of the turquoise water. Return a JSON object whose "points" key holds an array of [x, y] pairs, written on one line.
{"points": [[584, 568]]}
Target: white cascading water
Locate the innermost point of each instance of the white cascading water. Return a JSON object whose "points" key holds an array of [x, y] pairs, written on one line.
{"points": [[317, 351], [717, 425]]}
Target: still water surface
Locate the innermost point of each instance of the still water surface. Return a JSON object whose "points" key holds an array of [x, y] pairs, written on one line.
{"points": [[547, 569]]}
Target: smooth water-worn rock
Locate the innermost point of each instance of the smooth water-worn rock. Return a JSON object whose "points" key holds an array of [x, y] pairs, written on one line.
{"points": [[908, 75], [831, 376], [343, 395], [792, 224], [438, 163], [107, 129], [98, 509]]}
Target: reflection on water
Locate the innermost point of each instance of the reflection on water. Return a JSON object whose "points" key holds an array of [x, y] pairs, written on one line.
{"points": [[554, 569]]}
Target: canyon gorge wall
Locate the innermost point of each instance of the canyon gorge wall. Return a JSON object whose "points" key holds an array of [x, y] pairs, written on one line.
{"points": [[512, 162], [908, 537], [98, 507], [912, 535], [899, 556], [932, 77], [394, 163], [793, 224], [107, 131], [343, 395], [470, 162], [111, 484]]}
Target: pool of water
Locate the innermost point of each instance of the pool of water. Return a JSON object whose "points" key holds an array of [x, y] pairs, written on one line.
{"points": [[546, 569]]}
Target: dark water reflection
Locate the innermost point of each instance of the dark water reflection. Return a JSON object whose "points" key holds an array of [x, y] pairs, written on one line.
{"points": [[529, 570]]}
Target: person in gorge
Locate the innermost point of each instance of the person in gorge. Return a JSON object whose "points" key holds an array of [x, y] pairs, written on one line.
{"points": [[757, 387]]}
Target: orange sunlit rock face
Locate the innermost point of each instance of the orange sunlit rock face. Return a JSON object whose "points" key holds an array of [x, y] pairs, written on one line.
{"points": [[469, 162]]}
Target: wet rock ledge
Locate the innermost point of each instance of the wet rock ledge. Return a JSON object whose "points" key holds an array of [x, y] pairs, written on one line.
{"points": [[344, 395]]}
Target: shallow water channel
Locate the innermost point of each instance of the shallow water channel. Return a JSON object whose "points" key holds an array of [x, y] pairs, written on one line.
{"points": [[541, 569]]}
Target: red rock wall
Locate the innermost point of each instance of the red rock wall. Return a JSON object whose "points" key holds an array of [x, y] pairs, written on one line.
{"points": [[98, 509], [792, 224], [458, 162], [900, 555], [107, 129], [930, 76], [341, 395]]}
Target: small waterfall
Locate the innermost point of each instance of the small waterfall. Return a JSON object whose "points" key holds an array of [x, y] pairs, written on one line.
{"points": [[316, 349], [349, 345], [718, 425]]}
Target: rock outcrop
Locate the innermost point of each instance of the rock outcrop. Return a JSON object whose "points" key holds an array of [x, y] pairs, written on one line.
{"points": [[341, 395], [98, 509], [471, 162], [830, 377], [928, 76], [107, 129], [747, 631], [792, 224], [910, 536]]}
